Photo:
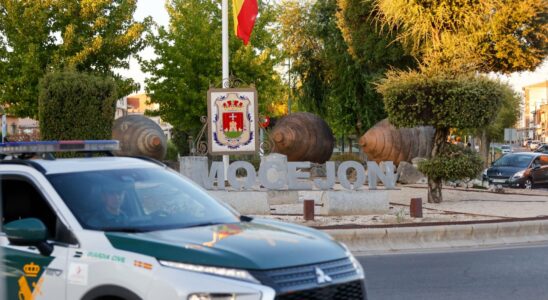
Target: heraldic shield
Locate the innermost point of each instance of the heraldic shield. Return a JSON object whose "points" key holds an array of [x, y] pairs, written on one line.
{"points": [[232, 123]]}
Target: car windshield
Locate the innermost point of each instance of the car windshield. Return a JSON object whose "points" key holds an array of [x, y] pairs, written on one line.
{"points": [[136, 200], [516, 160], [505, 147]]}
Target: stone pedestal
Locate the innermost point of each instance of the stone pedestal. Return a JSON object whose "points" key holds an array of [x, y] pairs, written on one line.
{"points": [[282, 197], [246, 203], [340, 203]]}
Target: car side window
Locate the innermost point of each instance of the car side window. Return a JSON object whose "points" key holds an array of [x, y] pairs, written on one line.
{"points": [[21, 199], [543, 160]]}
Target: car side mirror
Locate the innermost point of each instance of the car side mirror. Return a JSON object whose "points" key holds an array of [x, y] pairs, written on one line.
{"points": [[29, 232]]}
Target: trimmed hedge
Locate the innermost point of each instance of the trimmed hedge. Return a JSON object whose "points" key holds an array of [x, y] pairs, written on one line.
{"points": [[453, 163], [440, 99], [76, 106]]}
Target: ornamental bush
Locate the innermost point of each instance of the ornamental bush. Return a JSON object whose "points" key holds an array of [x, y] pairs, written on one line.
{"points": [[76, 106], [443, 99], [439, 99], [453, 163]]}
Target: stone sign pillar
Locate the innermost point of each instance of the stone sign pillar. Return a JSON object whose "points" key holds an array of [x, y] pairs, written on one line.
{"points": [[194, 167], [273, 171]]}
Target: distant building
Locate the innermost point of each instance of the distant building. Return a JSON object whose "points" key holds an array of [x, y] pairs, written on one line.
{"points": [[22, 129], [533, 123], [139, 104]]}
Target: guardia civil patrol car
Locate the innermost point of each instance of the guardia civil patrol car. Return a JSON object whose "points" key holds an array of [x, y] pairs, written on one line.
{"points": [[173, 242]]}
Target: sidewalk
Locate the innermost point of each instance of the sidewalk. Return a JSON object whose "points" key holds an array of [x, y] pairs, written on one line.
{"points": [[465, 218]]}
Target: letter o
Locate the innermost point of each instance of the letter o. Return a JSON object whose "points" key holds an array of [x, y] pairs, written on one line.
{"points": [[249, 180], [360, 175]]}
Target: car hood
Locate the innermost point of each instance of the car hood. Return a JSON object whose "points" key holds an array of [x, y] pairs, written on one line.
{"points": [[505, 171], [256, 245]]}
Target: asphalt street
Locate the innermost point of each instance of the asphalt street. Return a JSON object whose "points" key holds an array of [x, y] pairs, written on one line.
{"points": [[503, 273]]}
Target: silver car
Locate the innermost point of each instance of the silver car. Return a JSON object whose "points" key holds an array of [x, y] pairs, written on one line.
{"points": [[506, 149]]}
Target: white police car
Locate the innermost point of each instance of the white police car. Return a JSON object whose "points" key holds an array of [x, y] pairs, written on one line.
{"points": [[166, 238]]}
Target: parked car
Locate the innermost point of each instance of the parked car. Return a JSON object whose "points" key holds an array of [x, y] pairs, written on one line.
{"points": [[523, 169], [542, 149], [504, 149], [534, 145]]}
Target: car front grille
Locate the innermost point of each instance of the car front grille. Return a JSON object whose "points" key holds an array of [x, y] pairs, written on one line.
{"points": [[346, 291], [303, 280], [499, 179]]}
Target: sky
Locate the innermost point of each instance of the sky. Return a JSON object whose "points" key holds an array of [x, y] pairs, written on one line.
{"points": [[156, 9]]}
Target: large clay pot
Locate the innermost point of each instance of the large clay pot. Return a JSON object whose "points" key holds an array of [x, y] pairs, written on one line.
{"points": [[303, 137], [384, 142], [139, 136]]}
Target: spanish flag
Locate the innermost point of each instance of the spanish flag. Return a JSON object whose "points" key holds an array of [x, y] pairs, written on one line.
{"points": [[245, 13]]}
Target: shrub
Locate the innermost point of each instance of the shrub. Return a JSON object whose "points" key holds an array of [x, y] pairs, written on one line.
{"points": [[76, 106], [341, 157], [453, 163], [172, 151]]}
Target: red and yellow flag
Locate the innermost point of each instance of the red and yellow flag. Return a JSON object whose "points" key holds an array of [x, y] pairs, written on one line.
{"points": [[245, 13]]}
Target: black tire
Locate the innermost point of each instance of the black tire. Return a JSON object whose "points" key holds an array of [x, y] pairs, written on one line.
{"points": [[529, 184], [110, 292]]}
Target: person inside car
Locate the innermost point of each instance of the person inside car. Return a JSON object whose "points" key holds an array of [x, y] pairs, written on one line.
{"points": [[110, 214]]}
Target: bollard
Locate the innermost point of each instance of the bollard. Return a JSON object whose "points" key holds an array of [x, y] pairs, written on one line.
{"points": [[415, 208], [308, 210]]}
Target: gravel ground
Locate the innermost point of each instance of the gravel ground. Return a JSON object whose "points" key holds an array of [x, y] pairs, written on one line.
{"points": [[459, 205]]}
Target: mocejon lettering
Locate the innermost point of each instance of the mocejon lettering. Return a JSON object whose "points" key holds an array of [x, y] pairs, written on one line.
{"points": [[293, 176]]}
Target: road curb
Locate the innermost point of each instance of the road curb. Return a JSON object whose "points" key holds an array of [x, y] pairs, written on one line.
{"points": [[446, 236]]}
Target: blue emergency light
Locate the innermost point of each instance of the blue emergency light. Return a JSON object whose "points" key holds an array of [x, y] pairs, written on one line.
{"points": [[59, 146]]}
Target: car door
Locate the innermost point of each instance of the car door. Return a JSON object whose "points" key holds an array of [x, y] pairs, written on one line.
{"points": [[543, 170], [31, 274]]}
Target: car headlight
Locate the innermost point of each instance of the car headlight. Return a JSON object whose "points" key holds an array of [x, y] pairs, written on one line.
{"points": [[353, 260], [207, 296], [223, 272], [518, 174], [211, 297], [485, 172]]}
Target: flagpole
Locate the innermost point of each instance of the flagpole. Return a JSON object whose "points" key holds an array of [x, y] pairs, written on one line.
{"points": [[226, 73]]}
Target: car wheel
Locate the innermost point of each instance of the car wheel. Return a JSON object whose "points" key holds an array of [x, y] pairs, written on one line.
{"points": [[528, 184]]}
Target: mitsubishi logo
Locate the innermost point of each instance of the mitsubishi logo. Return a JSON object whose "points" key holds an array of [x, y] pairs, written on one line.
{"points": [[499, 174], [321, 277]]}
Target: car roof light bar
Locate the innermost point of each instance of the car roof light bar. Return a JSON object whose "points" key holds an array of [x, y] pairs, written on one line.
{"points": [[59, 146]]}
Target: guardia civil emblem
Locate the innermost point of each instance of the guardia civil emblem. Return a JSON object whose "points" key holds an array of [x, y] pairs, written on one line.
{"points": [[233, 121]]}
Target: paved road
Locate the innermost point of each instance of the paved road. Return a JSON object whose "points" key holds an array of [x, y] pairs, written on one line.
{"points": [[512, 273]]}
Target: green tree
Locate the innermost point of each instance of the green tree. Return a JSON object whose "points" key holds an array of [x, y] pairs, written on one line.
{"points": [[25, 51], [188, 61], [76, 106], [507, 117], [360, 54], [442, 100], [85, 35], [489, 35], [457, 37], [337, 58], [515, 36]]}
